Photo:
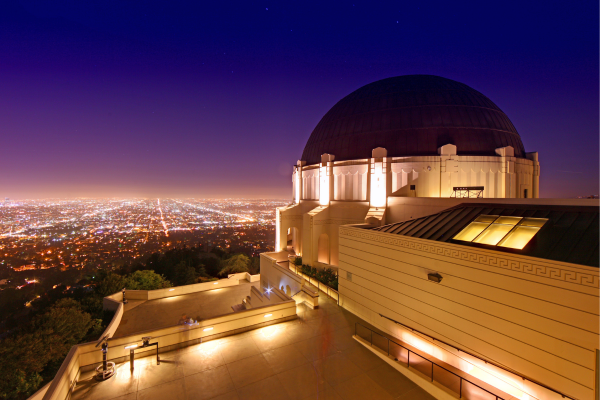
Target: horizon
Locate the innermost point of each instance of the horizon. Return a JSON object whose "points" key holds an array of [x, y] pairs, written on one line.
{"points": [[143, 198]]}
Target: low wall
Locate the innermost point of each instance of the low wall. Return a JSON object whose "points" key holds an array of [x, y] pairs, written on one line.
{"points": [[67, 375], [112, 302], [179, 290], [244, 275], [114, 323], [88, 355], [39, 395], [274, 275], [165, 337]]}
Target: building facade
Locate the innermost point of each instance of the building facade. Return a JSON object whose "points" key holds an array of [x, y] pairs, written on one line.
{"points": [[393, 181]]}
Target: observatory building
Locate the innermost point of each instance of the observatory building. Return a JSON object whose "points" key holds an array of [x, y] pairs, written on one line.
{"points": [[417, 190], [416, 136]]}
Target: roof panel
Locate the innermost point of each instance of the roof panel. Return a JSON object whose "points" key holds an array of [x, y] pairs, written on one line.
{"points": [[570, 235]]}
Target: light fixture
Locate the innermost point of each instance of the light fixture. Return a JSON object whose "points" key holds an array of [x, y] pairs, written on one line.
{"points": [[170, 290], [210, 328], [434, 277], [131, 346], [268, 315], [216, 283]]}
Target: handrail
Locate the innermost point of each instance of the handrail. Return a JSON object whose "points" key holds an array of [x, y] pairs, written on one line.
{"points": [[479, 358], [425, 358]]}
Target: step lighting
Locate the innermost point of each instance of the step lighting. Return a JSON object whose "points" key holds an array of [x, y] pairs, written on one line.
{"points": [[268, 315]]}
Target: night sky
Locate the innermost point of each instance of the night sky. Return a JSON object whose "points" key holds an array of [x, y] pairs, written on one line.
{"points": [[217, 99]]}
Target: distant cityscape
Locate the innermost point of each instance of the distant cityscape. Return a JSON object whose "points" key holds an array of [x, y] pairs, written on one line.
{"points": [[73, 234]]}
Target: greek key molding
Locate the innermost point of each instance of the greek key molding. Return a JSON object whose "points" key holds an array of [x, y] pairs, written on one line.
{"points": [[546, 271], [333, 221]]}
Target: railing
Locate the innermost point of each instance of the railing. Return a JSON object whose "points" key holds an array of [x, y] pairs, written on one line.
{"points": [[455, 383], [479, 358], [330, 292]]}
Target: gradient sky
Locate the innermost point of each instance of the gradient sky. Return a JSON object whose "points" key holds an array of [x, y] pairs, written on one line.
{"points": [[148, 99]]}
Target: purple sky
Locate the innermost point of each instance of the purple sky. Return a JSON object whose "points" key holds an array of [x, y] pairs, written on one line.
{"points": [[217, 100]]}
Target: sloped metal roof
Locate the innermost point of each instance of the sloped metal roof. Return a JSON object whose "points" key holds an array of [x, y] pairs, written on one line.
{"points": [[570, 235]]}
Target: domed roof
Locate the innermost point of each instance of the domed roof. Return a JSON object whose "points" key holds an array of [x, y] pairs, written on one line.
{"points": [[412, 115]]}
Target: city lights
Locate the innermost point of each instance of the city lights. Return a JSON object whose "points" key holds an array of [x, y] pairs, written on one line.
{"points": [[64, 234]]}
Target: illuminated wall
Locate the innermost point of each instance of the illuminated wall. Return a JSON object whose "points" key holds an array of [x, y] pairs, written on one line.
{"points": [[378, 182], [502, 176], [310, 183], [536, 316], [324, 177], [350, 181]]}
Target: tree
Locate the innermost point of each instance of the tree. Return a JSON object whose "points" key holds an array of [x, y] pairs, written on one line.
{"points": [[211, 264], [235, 264], [109, 283], [40, 350], [63, 325], [184, 275], [255, 267], [146, 280], [24, 357]]}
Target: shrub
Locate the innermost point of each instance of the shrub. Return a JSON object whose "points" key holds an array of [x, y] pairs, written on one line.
{"points": [[326, 276]]}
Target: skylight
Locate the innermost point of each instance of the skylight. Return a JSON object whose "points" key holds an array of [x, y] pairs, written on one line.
{"points": [[511, 232]]}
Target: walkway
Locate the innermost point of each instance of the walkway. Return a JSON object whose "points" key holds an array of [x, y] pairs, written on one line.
{"points": [[166, 312], [313, 357]]}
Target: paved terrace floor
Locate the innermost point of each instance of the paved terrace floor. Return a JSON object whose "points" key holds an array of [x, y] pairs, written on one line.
{"points": [[312, 357], [162, 313]]}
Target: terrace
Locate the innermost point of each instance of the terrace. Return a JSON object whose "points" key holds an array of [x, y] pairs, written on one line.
{"points": [[313, 356]]}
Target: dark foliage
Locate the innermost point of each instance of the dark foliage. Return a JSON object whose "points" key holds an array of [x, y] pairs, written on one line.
{"points": [[326, 276]]}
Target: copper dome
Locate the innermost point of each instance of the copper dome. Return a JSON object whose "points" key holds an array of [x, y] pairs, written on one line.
{"points": [[412, 115]]}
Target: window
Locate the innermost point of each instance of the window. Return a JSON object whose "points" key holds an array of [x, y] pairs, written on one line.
{"points": [[511, 232], [475, 228]]}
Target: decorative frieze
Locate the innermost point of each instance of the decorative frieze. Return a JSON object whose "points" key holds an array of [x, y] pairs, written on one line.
{"points": [[497, 261]]}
